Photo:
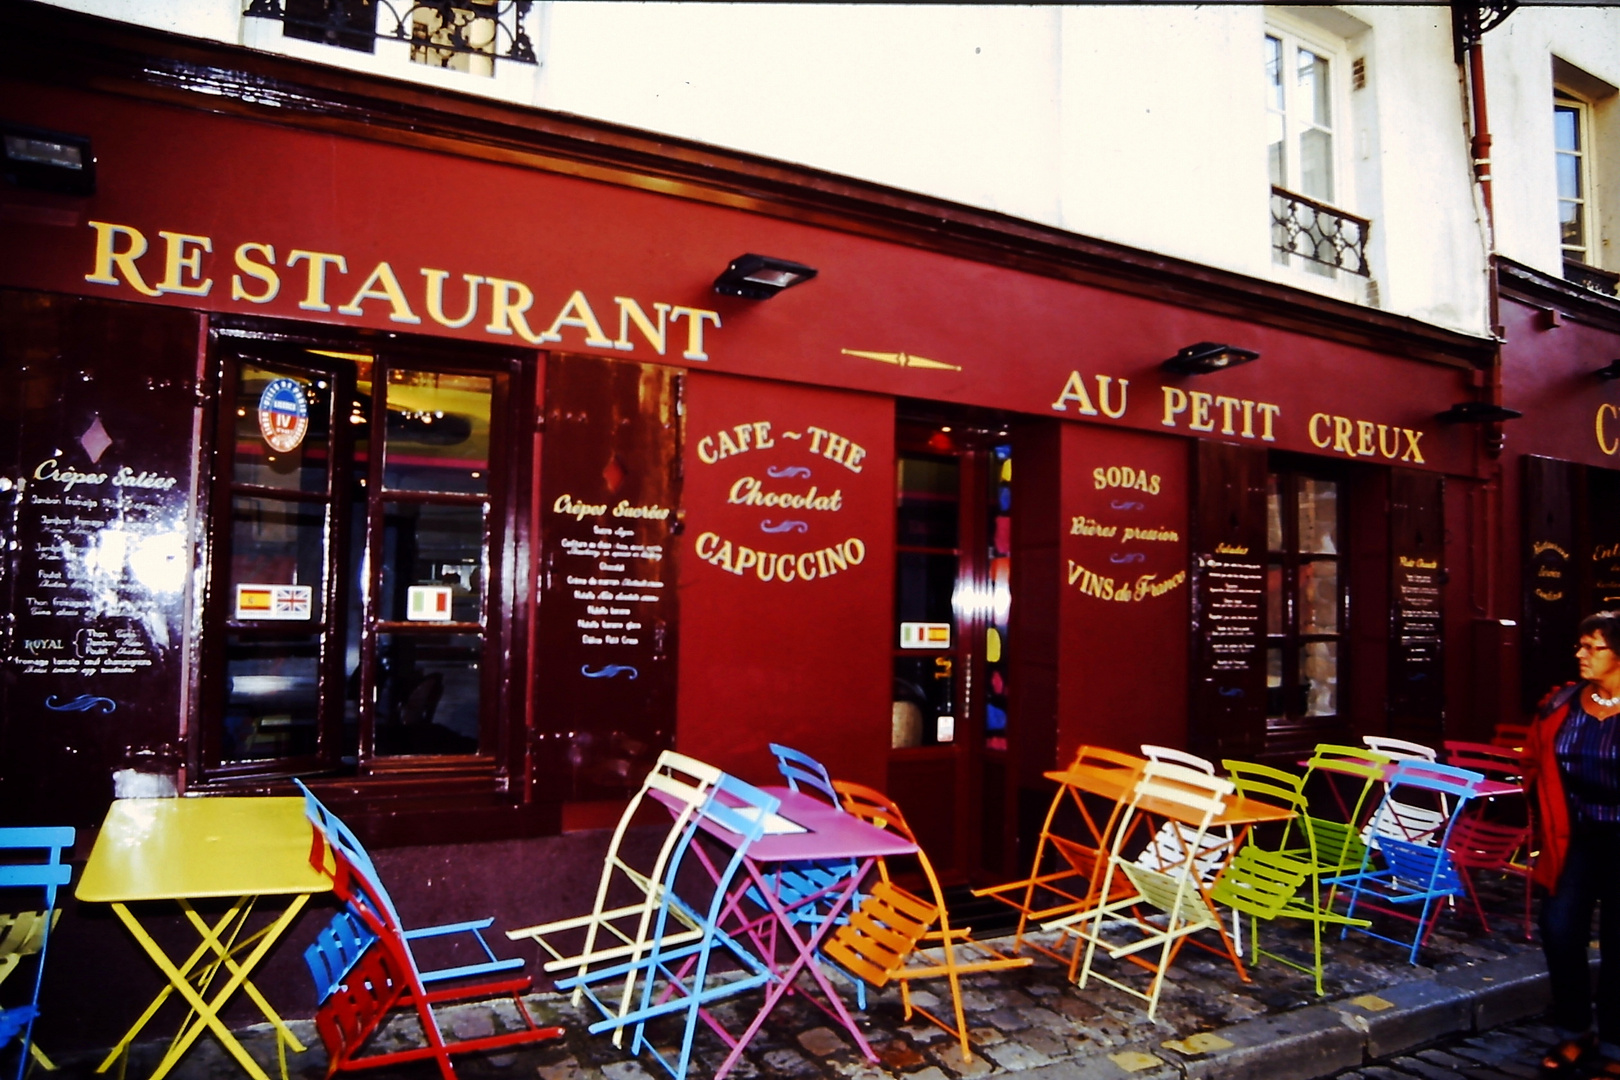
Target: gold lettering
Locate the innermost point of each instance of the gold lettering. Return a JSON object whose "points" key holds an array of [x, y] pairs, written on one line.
{"points": [[630, 312], [315, 295], [435, 298], [1074, 389], [1226, 405], [583, 317], [1201, 419], [179, 262], [1102, 395], [1266, 414], [1603, 444], [1175, 403], [1413, 454], [382, 276], [508, 300], [1364, 434], [107, 257], [1341, 435], [258, 271], [695, 318]]}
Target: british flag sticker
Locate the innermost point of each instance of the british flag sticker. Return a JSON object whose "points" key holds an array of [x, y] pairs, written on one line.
{"points": [[288, 603]]}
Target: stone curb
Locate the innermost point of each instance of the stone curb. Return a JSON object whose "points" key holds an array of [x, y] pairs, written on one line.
{"points": [[1319, 1040]]}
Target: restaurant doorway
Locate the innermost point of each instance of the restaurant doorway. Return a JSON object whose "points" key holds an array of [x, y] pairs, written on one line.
{"points": [[951, 724]]}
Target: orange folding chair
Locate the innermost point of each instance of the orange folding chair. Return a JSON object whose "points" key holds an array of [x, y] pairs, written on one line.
{"points": [[1074, 866], [891, 936]]}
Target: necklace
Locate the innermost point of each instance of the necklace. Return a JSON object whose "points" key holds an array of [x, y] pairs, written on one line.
{"points": [[1604, 702]]}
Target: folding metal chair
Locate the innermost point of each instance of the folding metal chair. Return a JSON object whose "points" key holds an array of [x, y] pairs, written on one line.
{"points": [[1165, 849], [1074, 867], [676, 973], [342, 839], [384, 977], [1176, 896], [1414, 874], [335, 951], [1494, 836], [893, 929], [621, 933], [1339, 843], [1396, 817], [1280, 882], [27, 933]]}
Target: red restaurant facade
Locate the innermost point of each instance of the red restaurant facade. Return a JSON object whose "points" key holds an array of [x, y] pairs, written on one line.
{"points": [[400, 442]]}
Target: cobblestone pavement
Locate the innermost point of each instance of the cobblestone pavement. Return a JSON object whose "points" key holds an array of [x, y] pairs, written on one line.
{"points": [[1510, 1052], [1032, 1021]]}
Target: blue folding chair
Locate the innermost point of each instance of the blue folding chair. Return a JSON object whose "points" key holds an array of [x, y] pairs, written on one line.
{"points": [[335, 951], [342, 839], [1418, 873], [676, 972], [28, 932], [807, 889]]}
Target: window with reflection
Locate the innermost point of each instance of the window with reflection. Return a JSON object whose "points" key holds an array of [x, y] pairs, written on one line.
{"points": [[1305, 604], [353, 614]]}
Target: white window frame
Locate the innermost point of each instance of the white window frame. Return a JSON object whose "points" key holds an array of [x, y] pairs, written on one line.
{"points": [[1564, 98], [1295, 34]]}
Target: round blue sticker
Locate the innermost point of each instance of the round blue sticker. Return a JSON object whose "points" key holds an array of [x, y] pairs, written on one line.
{"points": [[283, 415]]}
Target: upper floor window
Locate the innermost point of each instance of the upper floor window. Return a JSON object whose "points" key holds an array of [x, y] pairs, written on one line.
{"points": [[1571, 127], [1300, 115], [1304, 118], [459, 35]]}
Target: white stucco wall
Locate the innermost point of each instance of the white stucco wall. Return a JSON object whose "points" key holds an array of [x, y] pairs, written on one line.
{"points": [[1519, 70], [1139, 124]]}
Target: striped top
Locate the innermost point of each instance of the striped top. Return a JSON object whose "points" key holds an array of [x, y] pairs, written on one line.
{"points": [[1589, 758]]}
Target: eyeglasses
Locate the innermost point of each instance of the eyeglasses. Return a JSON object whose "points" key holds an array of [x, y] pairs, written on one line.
{"points": [[1584, 647]]}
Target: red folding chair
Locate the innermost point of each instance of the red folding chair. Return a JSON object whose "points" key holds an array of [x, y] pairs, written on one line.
{"points": [[385, 978], [1494, 837]]}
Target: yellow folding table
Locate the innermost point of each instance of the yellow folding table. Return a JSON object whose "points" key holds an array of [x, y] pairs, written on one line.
{"points": [[200, 848]]}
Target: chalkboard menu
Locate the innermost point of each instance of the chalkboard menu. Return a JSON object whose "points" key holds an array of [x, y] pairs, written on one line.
{"points": [[1229, 577], [605, 684], [95, 456], [1417, 697], [1554, 494]]}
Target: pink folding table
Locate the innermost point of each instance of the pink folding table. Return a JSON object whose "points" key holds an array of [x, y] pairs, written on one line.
{"points": [[804, 830]]}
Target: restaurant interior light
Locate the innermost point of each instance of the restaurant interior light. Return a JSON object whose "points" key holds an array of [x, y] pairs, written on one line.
{"points": [[760, 277], [1208, 356], [1477, 412], [1611, 370], [48, 160]]}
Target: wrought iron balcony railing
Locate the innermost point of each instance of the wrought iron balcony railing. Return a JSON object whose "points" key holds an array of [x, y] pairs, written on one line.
{"points": [[1590, 277], [1317, 233], [437, 29]]}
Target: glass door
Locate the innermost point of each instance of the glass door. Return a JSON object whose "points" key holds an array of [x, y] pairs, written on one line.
{"points": [[951, 724]]}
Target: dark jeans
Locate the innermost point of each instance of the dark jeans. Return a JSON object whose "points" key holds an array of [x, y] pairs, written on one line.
{"points": [[1591, 875]]}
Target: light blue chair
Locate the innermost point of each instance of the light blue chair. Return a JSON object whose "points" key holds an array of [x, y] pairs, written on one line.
{"points": [[807, 889], [1419, 876], [341, 838], [29, 932], [335, 951], [677, 978]]}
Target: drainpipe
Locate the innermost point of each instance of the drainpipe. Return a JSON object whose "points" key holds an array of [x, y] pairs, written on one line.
{"points": [[1480, 148]]}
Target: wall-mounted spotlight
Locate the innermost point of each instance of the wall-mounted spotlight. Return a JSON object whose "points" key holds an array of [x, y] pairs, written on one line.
{"points": [[1477, 412], [1207, 356], [48, 160], [1611, 370], [760, 277]]}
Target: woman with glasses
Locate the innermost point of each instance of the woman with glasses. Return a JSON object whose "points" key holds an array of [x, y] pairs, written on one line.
{"points": [[1573, 766]]}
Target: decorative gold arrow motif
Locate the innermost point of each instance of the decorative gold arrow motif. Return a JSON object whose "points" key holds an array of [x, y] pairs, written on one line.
{"points": [[900, 359]]}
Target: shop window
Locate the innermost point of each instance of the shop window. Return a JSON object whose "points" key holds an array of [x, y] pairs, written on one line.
{"points": [[358, 561], [1305, 605]]}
